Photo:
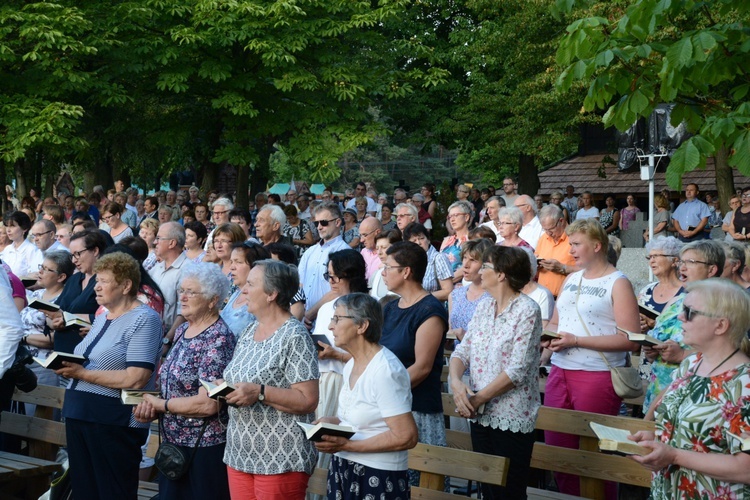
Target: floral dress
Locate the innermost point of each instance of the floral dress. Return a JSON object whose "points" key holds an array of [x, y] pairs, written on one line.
{"points": [[695, 414], [667, 327], [297, 232], [606, 218]]}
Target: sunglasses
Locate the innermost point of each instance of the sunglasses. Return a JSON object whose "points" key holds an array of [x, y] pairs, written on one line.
{"points": [[324, 222], [690, 313]]}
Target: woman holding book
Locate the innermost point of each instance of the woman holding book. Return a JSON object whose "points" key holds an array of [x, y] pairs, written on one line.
{"points": [[274, 371], [592, 304], [692, 453], [698, 261], [202, 349], [121, 351], [375, 401], [501, 352]]}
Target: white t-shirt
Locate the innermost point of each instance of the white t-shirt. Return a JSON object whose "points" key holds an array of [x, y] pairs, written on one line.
{"points": [[531, 232], [382, 391], [587, 214], [545, 299], [322, 322], [597, 309]]}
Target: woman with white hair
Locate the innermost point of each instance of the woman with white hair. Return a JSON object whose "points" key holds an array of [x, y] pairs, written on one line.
{"points": [[189, 419], [510, 221]]}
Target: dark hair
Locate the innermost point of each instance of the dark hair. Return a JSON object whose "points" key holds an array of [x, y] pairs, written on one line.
{"points": [[113, 208], [285, 252], [410, 255], [199, 229], [21, 219], [388, 205], [290, 210], [275, 197], [95, 197], [363, 308], [483, 233], [512, 261], [64, 262], [92, 238], [138, 247], [154, 201], [393, 236], [87, 223], [238, 212], [415, 229], [252, 252], [349, 264]]}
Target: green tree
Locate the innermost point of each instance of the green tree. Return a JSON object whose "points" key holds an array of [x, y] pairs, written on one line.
{"points": [[693, 54]]}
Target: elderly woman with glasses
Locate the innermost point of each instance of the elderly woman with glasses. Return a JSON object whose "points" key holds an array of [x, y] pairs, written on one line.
{"points": [[202, 349], [698, 261], [274, 371], [692, 454], [373, 462], [459, 217], [510, 222]]}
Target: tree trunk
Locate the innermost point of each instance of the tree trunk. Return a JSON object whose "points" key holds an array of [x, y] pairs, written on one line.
{"points": [[528, 175], [259, 177], [20, 171], [724, 178], [243, 178]]}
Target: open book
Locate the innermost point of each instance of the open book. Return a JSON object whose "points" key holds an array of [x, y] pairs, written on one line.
{"points": [[616, 440], [549, 335], [317, 431], [648, 312], [743, 442], [217, 390], [135, 396], [55, 359], [73, 320], [43, 305], [641, 338]]}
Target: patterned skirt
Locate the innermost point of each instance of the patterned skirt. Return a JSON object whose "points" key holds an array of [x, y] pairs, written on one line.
{"points": [[352, 481]]}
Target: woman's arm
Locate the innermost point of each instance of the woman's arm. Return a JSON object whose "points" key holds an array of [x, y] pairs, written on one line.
{"points": [[301, 398], [41, 340], [306, 240], [428, 339], [132, 377], [298, 310], [615, 222], [354, 243], [446, 287], [199, 405], [401, 435]]}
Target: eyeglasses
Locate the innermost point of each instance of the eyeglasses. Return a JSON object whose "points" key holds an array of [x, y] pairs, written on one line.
{"points": [[329, 277], [506, 223], [107, 218], [77, 255], [746, 195], [188, 293], [550, 229], [39, 235], [690, 312], [691, 262], [216, 212], [649, 257], [488, 266], [63, 236], [47, 269], [159, 238], [336, 318], [365, 235], [222, 242], [388, 268], [401, 216], [453, 216], [324, 222]]}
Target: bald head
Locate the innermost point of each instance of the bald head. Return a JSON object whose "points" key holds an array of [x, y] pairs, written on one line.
{"points": [[527, 206], [369, 229]]}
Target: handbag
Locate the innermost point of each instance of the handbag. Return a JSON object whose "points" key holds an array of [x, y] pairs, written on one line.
{"points": [[172, 460], [626, 380]]}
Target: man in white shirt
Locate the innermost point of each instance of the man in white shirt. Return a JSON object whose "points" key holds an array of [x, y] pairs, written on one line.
{"points": [[168, 246], [532, 229], [360, 189]]}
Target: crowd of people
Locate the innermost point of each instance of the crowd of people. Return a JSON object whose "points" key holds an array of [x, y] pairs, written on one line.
{"points": [[162, 292]]}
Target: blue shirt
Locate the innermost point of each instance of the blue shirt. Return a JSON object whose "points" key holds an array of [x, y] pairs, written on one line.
{"points": [[690, 213]]}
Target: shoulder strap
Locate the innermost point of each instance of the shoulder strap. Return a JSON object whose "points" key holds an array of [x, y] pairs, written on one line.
{"points": [[583, 323]]}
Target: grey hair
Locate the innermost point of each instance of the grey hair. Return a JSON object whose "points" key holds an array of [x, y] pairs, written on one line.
{"points": [[551, 211], [281, 278], [331, 206], [529, 201], [464, 206], [176, 232], [213, 282], [499, 199], [362, 307], [513, 213], [276, 214], [669, 245], [47, 224], [224, 202], [165, 209], [736, 252], [412, 210], [63, 260], [711, 251], [417, 197]]}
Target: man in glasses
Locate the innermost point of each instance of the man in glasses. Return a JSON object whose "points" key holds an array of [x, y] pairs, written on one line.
{"points": [[509, 188], [44, 235], [532, 228], [691, 216], [327, 218], [167, 273], [553, 250]]}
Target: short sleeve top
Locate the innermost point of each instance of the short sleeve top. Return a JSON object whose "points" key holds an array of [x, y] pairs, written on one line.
{"points": [[260, 438], [399, 335]]}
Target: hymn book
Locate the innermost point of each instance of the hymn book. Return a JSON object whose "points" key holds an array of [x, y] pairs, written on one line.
{"points": [[616, 440], [55, 359], [317, 431], [217, 390], [135, 396]]}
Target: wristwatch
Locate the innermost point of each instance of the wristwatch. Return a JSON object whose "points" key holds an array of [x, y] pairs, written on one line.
{"points": [[166, 341], [262, 395]]}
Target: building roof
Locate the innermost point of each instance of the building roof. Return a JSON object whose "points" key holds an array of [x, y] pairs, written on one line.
{"points": [[583, 172]]}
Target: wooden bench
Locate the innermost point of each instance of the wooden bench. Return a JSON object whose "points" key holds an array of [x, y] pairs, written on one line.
{"points": [[593, 466]]}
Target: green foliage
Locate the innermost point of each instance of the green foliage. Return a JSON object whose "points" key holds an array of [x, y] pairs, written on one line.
{"points": [[694, 54]]}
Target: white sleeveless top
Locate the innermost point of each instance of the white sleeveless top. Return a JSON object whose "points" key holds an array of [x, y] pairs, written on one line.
{"points": [[597, 310]]}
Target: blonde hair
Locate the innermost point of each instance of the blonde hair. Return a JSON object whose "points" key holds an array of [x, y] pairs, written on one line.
{"points": [[660, 201], [726, 299], [593, 231], [150, 223]]}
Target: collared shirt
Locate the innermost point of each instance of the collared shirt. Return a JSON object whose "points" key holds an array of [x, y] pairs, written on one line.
{"points": [[168, 280], [57, 247], [312, 266], [372, 262], [23, 260], [130, 218], [560, 251], [690, 213], [531, 232]]}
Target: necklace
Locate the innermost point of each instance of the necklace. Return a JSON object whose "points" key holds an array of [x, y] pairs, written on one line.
{"points": [[725, 360]]}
